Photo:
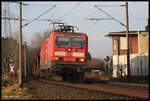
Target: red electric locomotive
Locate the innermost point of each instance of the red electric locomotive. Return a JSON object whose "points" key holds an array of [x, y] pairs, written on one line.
{"points": [[64, 53]]}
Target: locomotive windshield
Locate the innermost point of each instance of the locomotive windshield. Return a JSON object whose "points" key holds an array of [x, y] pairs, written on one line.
{"points": [[71, 41]]}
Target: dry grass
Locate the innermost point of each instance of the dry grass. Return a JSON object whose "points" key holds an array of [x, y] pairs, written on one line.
{"points": [[13, 92]]}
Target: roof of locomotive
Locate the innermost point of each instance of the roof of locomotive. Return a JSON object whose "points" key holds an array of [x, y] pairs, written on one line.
{"points": [[68, 33]]}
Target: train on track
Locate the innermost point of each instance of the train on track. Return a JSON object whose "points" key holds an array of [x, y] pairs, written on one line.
{"points": [[64, 54]]}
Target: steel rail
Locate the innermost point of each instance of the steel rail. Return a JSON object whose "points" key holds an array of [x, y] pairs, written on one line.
{"points": [[127, 92]]}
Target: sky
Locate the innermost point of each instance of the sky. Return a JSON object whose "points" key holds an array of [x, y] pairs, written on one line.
{"points": [[76, 13]]}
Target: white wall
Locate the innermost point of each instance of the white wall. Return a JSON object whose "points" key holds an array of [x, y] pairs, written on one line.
{"points": [[138, 65]]}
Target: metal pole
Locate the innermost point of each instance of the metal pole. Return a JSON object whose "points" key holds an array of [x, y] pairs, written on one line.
{"points": [[20, 47], [127, 37]]}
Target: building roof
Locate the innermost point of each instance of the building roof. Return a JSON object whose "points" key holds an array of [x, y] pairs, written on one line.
{"points": [[122, 33]]}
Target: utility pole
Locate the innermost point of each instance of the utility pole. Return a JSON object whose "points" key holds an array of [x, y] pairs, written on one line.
{"points": [[127, 38], [20, 46], [25, 55]]}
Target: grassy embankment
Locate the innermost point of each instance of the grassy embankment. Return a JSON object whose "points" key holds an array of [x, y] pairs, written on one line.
{"points": [[11, 91]]}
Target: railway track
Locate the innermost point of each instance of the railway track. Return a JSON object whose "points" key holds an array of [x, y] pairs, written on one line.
{"points": [[132, 90], [142, 87]]}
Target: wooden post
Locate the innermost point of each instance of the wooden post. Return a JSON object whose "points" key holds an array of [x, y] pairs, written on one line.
{"points": [[25, 57], [20, 46], [127, 37]]}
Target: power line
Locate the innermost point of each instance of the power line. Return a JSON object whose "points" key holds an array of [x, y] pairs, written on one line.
{"points": [[47, 20], [23, 4], [115, 11], [70, 10], [110, 16], [38, 5], [89, 12], [99, 19], [104, 18], [115, 5], [9, 18], [110, 13], [91, 26], [107, 5], [39, 16]]}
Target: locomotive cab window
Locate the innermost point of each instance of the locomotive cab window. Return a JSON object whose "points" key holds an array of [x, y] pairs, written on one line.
{"points": [[62, 41], [65, 41], [77, 42]]}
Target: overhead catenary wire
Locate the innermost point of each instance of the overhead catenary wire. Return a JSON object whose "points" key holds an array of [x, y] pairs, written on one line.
{"points": [[9, 18], [38, 5], [96, 20], [91, 25], [107, 5], [102, 18], [112, 12], [99, 19], [116, 11], [112, 5], [17, 2], [110, 16], [39, 15], [120, 9], [70, 10], [88, 16], [90, 10], [31, 4]]}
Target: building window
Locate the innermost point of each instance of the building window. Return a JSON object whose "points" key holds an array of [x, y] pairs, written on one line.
{"points": [[123, 43], [116, 44]]}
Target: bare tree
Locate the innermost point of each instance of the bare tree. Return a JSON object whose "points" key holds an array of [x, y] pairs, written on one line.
{"points": [[15, 36], [39, 38], [35, 42]]}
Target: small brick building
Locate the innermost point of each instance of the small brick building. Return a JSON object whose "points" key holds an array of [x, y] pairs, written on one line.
{"points": [[138, 49]]}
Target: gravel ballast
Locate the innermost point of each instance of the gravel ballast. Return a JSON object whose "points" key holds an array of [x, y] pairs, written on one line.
{"points": [[50, 91]]}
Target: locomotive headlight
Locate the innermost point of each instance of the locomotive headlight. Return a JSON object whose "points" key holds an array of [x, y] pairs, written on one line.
{"points": [[69, 49], [82, 60], [56, 58], [78, 54], [59, 53]]}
